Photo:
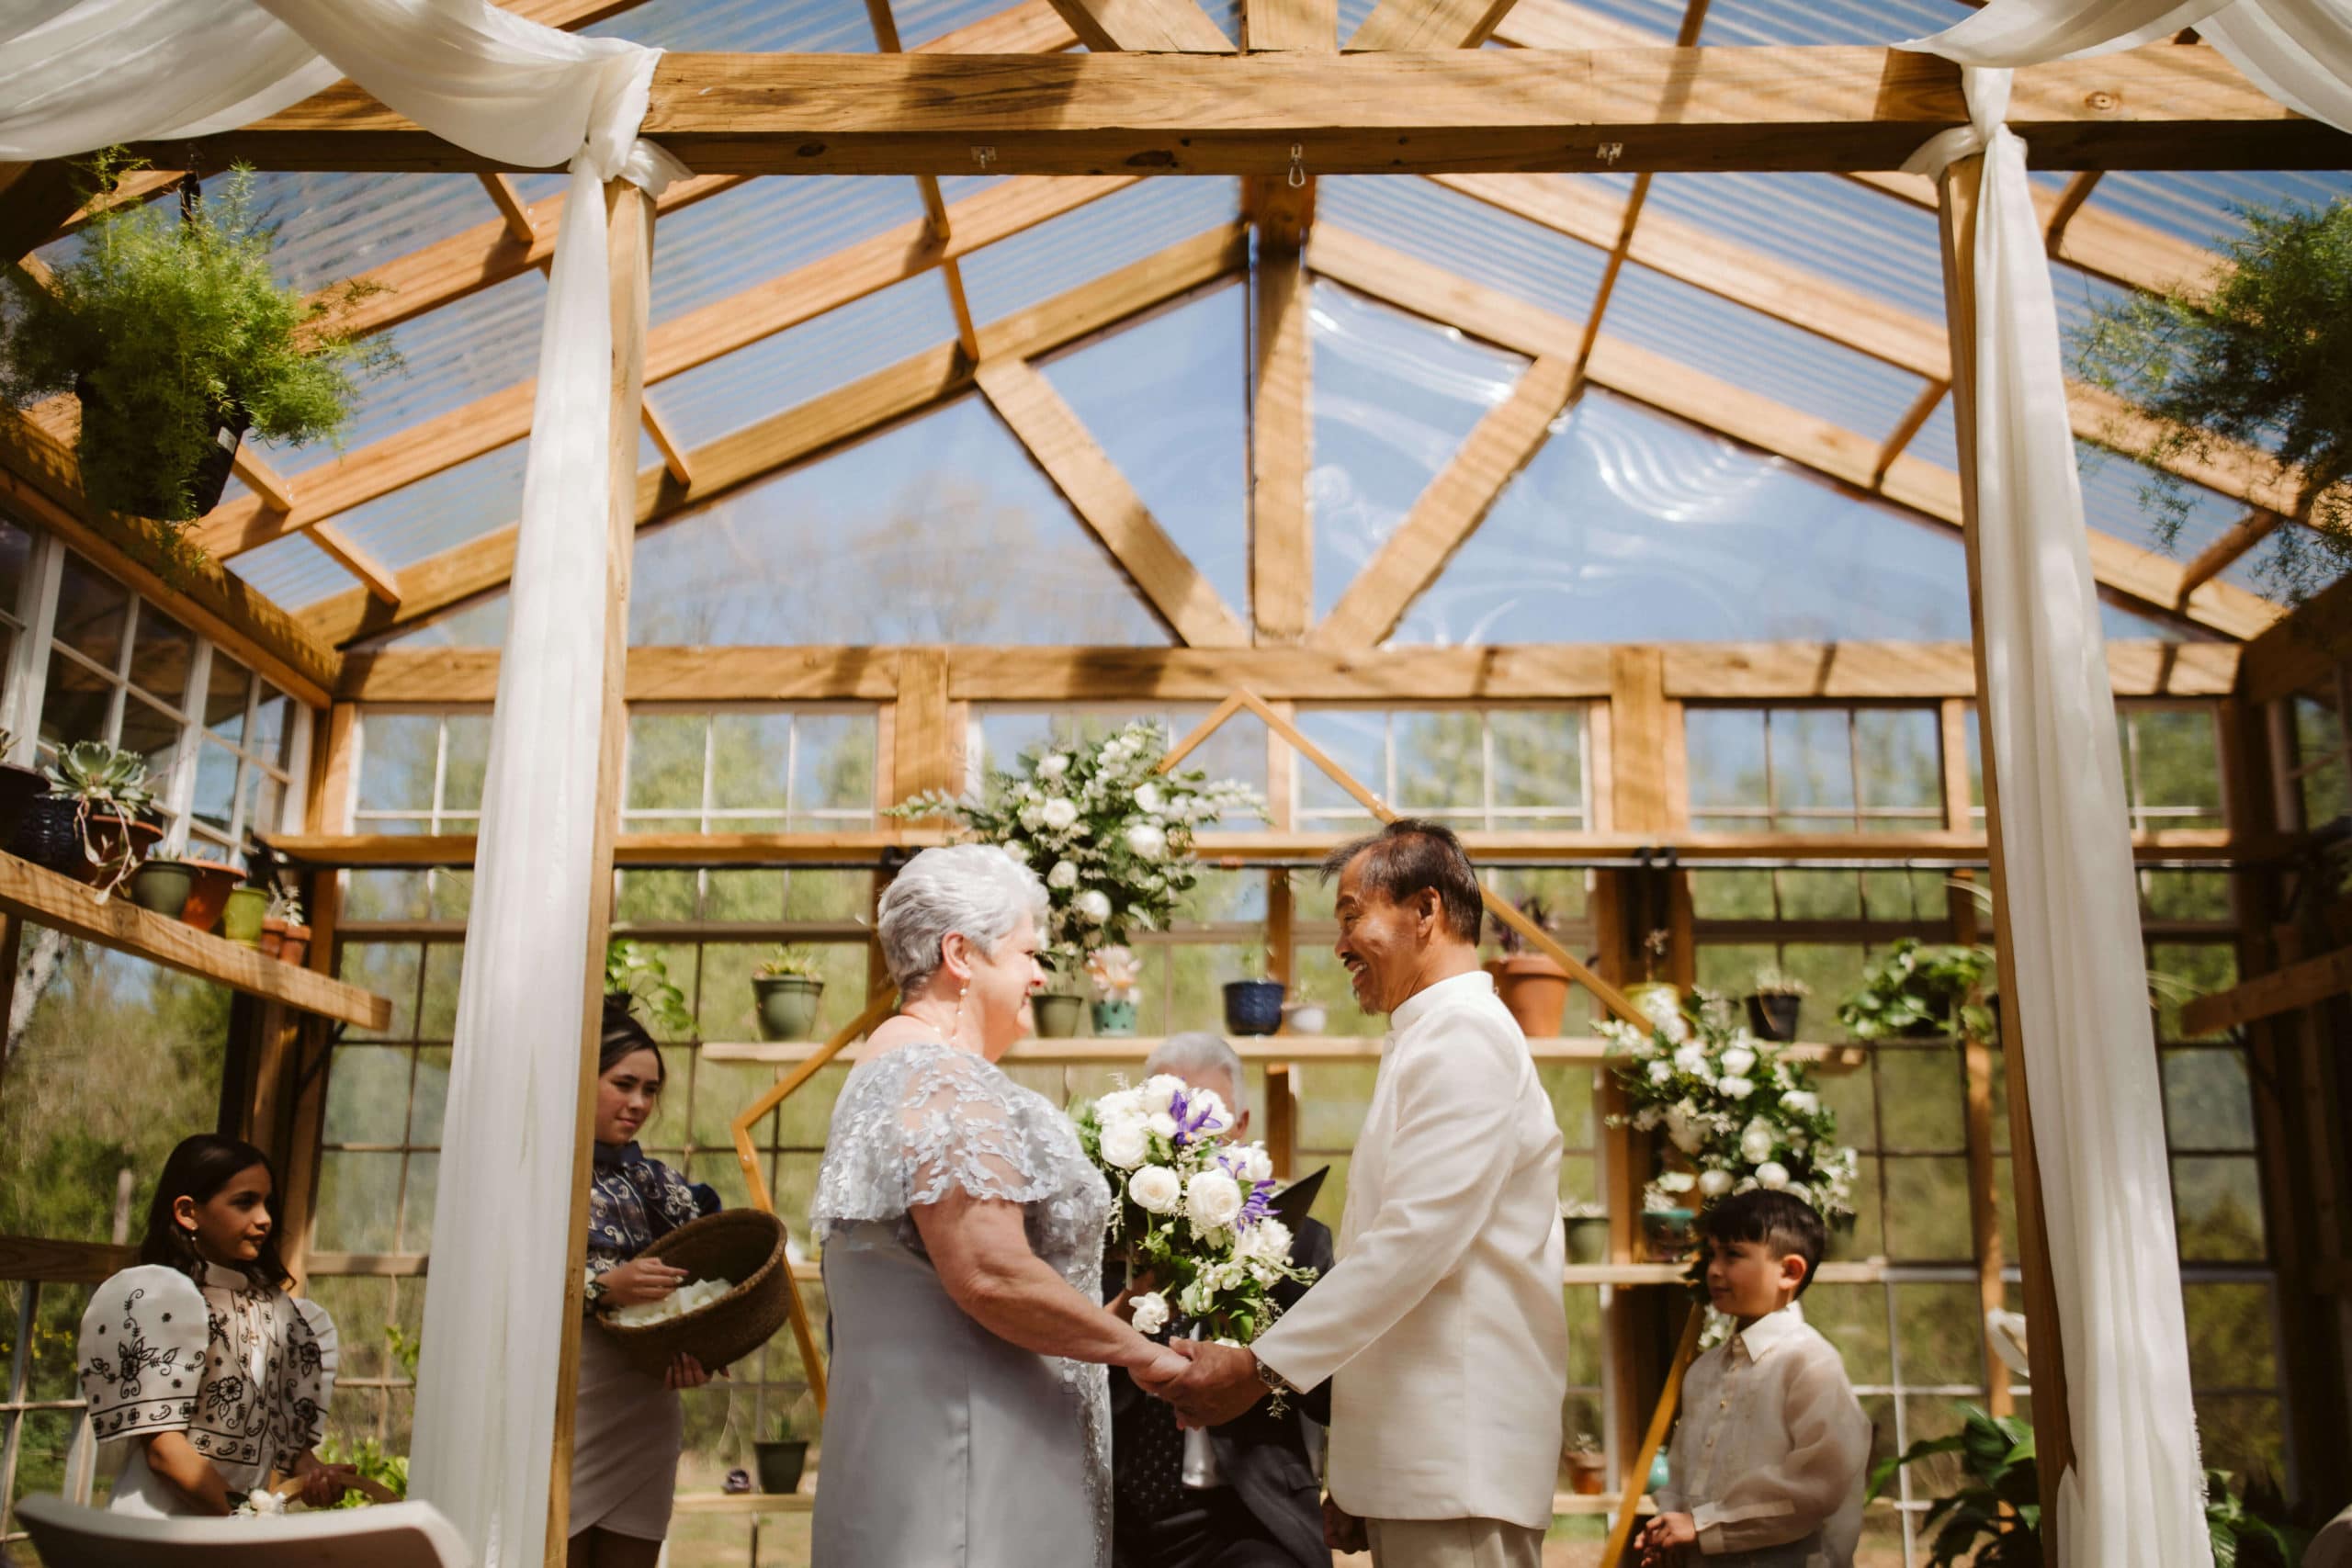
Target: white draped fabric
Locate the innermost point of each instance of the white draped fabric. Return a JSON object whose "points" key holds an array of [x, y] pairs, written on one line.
{"points": [[2298, 52], [2133, 1497], [80, 74]]}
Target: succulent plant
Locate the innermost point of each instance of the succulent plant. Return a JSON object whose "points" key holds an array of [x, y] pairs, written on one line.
{"points": [[102, 775]]}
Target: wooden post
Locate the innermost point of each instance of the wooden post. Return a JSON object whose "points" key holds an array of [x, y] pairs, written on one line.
{"points": [[628, 216], [1959, 190], [1281, 539], [304, 1095], [1282, 1119]]}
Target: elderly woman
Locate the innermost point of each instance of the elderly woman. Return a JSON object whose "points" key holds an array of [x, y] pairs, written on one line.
{"points": [[969, 1424]]}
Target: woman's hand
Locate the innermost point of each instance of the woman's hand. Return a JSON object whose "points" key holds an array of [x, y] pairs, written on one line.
{"points": [[640, 1280], [322, 1485], [1159, 1370], [687, 1373]]}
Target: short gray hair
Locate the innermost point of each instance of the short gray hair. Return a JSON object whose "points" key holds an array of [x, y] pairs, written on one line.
{"points": [[1192, 1055], [980, 890]]}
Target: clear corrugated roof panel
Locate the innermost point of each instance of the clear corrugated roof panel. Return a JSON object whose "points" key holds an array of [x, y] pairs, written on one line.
{"points": [[1752, 350], [2120, 498], [765, 228], [1099, 238], [1825, 21], [816, 26], [1158, 397], [1846, 232], [291, 571], [2202, 206], [920, 21], [1467, 237], [816, 357], [1938, 439]]}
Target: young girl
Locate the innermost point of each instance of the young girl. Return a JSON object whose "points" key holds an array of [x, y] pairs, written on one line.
{"points": [[198, 1357], [630, 1425]]}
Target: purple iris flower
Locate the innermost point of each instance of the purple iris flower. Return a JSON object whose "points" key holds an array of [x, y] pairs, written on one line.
{"points": [[1191, 1124]]}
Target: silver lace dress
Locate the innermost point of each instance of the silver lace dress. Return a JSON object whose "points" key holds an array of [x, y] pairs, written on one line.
{"points": [[945, 1445]]}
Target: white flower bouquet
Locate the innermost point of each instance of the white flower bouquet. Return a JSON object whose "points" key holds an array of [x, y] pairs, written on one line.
{"points": [[1738, 1114], [1111, 837], [1194, 1208]]}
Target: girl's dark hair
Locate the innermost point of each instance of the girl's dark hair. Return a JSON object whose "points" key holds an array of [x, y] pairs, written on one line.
{"points": [[200, 1168], [624, 1036]]}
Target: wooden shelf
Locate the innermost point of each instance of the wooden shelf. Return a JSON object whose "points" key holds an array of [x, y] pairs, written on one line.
{"points": [[63, 904], [805, 1501], [1131, 1050]]}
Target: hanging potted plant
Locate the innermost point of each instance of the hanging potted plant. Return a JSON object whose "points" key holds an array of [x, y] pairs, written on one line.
{"points": [[1659, 1000], [1530, 983], [1110, 836], [1919, 990], [170, 330], [97, 819], [1775, 1003], [1117, 976], [18, 788], [786, 991]]}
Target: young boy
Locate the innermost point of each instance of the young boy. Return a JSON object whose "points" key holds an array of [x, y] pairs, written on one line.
{"points": [[1769, 1454]]}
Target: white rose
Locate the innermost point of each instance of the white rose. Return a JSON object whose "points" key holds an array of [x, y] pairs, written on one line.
{"points": [[1734, 1086], [1064, 875], [1756, 1143], [1094, 905], [1033, 817], [1059, 814], [1691, 1059], [1155, 1188], [1715, 1183], [1662, 1072], [1211, 1201], [1269, 1239], [1772, 1174], [1683, 1126], [1162, 1123], [1737, 1059], [1150, 1312], [1257, 1164], [1159, 1092], [1148, 800], [1676, 1181], [1124, 1143], [1146, 841], [1119, 1103], [1802, 1102], [1053, 766]]}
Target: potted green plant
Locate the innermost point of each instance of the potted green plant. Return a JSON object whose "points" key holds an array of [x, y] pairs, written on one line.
{"points": [[1530, 983], [786, 989], [1775, 1003], [2248, 359], [1588, 1466], [244, 913], [19, 787], [633, 969], [210, 882], [163, 886], [97, 819], [171, 330], [1253, 1004], [1921, 991], [783, 1458], [1587, 1225], [1659, 1000], [283, 935], [1117, 977]]}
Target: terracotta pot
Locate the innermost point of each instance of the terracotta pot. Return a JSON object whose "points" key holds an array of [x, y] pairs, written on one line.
{"points": [[212, 883], [115, 836], [273, 935], [295, 947], [1535, 988], [1588, 1473]]}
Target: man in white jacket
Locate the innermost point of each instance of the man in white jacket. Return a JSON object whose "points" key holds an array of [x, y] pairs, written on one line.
{"points": [[1442, 1328]]}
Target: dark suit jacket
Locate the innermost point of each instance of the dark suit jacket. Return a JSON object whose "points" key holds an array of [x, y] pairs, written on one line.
{"points": [[1263, 1458]]}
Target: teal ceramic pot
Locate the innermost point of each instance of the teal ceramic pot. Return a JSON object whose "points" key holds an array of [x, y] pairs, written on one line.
{"points": [[1115, 1018]]}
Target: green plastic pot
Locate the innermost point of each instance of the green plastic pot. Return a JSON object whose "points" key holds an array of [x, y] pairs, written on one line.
{"points": [[1588, 1239], [780, 1466], [787, 1005], [1056, 1016], [164, 885], [241, 916]]}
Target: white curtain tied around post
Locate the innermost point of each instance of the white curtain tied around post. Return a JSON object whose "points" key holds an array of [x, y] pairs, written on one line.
{"points": [[2133, 1497], [77, 75]]}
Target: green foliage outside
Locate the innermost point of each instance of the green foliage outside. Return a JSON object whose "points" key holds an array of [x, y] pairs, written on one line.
{"points": [[2259, 360], [171, 320]]}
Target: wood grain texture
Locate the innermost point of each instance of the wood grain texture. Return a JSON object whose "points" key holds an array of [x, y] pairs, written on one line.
{"points": [[1456, 110], [1144, 26], [1450, 510], [1282, 432], [1108, 505], [1268, 25]]}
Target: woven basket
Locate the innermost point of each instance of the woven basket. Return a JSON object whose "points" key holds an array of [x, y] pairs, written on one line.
{"points": [[741, 1244]]}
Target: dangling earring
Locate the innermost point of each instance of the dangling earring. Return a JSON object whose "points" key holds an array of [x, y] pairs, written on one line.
{"points": [[962, 992]]}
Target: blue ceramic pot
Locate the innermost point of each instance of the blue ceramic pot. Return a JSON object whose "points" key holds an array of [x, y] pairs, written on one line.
{"points": [[1253, 1007]]}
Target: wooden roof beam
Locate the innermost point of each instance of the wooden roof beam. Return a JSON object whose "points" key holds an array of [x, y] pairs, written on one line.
{"points": [[2105, 244], [1843, 454], [1170, 25], [1429, 24], [914, 386], [1836, 108]]}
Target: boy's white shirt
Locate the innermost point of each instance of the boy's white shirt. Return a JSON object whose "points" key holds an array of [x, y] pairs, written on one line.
{"points": [[1771, 1451]]}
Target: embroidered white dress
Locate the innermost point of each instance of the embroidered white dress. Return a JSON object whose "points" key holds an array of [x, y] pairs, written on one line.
{"points": [[1769, 1450], [245, 1371], [945, 1445]]}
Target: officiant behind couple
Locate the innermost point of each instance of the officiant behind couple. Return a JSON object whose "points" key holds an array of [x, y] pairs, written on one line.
{"points": [[964, 1225]]}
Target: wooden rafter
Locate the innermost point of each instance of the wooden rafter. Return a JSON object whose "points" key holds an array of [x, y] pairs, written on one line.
{"points": [[2104, 245], [1170, 25], [1429, 24], [677, 345], [1840, 454], [1450, 510], [381, 582], [673, 455], [1835, 108], [2223, 553], [1282, 430], [1271, 24], [1059, 442], [914, 386], [513, 210], [2302, 652]]}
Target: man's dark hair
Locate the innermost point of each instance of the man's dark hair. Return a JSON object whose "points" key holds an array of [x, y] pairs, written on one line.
{"points": [[1785, 1224], [1410, 856]]}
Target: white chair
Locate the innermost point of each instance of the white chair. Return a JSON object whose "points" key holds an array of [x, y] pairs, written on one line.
{"points": [[391, 1535]]}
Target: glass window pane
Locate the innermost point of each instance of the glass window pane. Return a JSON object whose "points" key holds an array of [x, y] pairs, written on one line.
{"points": [[465, 761], [359, 1199], [1538, 760], [2217, 1204], [90, 607], [1725, 757], [75, 703], [665, 761], [1899, 755], [226, 689], [16, 560], [368, 1094], [273, 739], [416, 1202], [216, 785], [161, 658], [1812, 765], [833, 765], [2209, 1104], [2230, 1339], [399, 753], [2178, 776], [750, 760], [152, 734], [266, 810], [1441, 762]]}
